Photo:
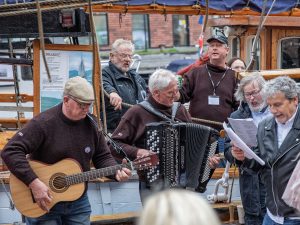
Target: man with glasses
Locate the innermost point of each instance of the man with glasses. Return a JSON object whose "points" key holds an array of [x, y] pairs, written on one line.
{"points": [[131, 131], [252, 189], [121, 83], [63, 131], [278, 144], [210, 87]]}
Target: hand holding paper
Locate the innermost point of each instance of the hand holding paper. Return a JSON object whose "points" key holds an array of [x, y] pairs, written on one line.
{"points": [[245, 129], [239, 143]]}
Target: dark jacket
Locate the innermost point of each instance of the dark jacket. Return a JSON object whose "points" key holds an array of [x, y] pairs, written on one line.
{"points": [[131, 88], [253, 192], [280, 163]]}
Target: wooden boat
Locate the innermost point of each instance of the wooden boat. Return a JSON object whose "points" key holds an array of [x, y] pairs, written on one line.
{"points": [[239, 19]]}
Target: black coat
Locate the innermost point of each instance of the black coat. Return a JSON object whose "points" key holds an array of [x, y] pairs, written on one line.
{"points": [[131, 88], [252, 189], [280, 163]]}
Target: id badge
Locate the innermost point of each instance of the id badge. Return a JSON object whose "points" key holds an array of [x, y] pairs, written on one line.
{"points": [[213, 100]]}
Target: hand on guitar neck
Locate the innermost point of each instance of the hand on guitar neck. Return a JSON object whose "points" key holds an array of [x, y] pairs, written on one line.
{"points": [[124, 173], [55, 184], [42, 194]]}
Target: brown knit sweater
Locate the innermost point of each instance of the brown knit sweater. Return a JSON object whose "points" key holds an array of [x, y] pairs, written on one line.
{"points": [[130, 133], [51, 137], [197, 87]]}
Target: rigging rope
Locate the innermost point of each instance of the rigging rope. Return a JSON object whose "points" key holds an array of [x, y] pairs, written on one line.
{"points": [[193, 118]]}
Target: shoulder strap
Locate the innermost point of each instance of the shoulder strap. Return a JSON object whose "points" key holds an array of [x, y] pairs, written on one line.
{"points": [[147, 105], [175, 108]]}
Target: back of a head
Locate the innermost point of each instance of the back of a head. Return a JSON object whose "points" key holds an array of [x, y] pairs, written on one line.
{"points": [[177, 207]]}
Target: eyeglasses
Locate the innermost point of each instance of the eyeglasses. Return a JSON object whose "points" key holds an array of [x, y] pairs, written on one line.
{"points": [[253, 94], [124, 56], [81, 105]]}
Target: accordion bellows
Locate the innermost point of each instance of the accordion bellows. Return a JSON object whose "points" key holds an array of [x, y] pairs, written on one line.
{"points": [[183, 149]]}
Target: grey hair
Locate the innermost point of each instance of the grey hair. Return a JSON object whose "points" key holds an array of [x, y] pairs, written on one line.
{"points": [[283, 84], [121, 42], [177, 207], [160, 79], [239, 93]]}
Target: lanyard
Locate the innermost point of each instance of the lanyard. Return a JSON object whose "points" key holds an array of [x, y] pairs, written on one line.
{"points": [[212, 83]]}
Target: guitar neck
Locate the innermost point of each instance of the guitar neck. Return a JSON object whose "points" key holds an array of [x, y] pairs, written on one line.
{"points": [[94, 174]]}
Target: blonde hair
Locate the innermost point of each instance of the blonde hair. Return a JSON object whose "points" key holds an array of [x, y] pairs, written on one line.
{"points": [[177, 207]]}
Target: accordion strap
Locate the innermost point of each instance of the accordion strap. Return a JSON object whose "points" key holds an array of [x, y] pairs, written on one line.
{"points": [[147, 105]]}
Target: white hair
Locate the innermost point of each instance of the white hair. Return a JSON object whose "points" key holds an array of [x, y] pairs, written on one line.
{"points": [[283, 84], [177, 207], [160, 79], [239, 94], [122, 42]]}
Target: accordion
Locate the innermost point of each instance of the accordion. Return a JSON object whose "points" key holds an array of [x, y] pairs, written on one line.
{"points": [[183, 150]]}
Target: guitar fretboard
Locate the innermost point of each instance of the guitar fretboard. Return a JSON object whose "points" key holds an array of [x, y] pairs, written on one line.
{"points": [[94, 174]]}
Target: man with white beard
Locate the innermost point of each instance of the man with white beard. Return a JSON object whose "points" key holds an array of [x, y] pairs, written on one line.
{"points": [[254, 106]]}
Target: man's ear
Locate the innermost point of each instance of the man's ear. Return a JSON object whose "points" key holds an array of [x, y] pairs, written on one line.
{"points": [[155, 93], [110, 55], [297, 100], [65, 99]]}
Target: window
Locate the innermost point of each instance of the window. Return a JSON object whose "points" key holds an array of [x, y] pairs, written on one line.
{"points": [[101, 28], [234, 44], [289, 53], [140, 31], [181, 30], [249, 44]]}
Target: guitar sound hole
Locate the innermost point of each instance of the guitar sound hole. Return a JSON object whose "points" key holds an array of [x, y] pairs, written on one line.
{"points": [[58, 182]]}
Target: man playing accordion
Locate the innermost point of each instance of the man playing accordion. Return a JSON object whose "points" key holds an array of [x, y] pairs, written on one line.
{"points": [[160, 106]]}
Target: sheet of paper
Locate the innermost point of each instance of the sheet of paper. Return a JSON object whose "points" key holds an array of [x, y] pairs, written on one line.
{"points": [[242, 145], [245, 129]]}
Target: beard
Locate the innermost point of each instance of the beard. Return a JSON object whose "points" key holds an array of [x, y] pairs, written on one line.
{"points": [[122, 68], [257, 108]]}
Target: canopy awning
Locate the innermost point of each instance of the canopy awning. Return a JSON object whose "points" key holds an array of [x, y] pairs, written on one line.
{"points": [[188, 7]]}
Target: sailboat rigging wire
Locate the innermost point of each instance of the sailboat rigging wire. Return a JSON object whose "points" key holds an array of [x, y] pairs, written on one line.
{"points": [[261, 24], [16, 83]]}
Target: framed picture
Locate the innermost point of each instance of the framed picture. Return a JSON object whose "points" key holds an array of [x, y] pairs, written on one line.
{"points": [[64, 62]]}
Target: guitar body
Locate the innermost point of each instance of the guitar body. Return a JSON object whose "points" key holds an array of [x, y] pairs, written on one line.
{"points": [[66, 181], [49, 174]]}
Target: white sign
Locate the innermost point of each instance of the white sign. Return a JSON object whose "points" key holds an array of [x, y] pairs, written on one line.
{"points": [[58, 63]]}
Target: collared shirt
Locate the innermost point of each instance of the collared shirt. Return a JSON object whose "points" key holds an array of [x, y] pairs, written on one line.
{"points": [[284, 129], [282, 132], [259, 116]]}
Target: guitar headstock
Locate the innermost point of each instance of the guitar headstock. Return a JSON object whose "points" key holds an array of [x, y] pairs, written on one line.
{"points": [[146, 162]]}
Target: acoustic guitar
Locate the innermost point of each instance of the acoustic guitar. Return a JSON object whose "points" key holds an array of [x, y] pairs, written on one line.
{"points": [[66, 181]]}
